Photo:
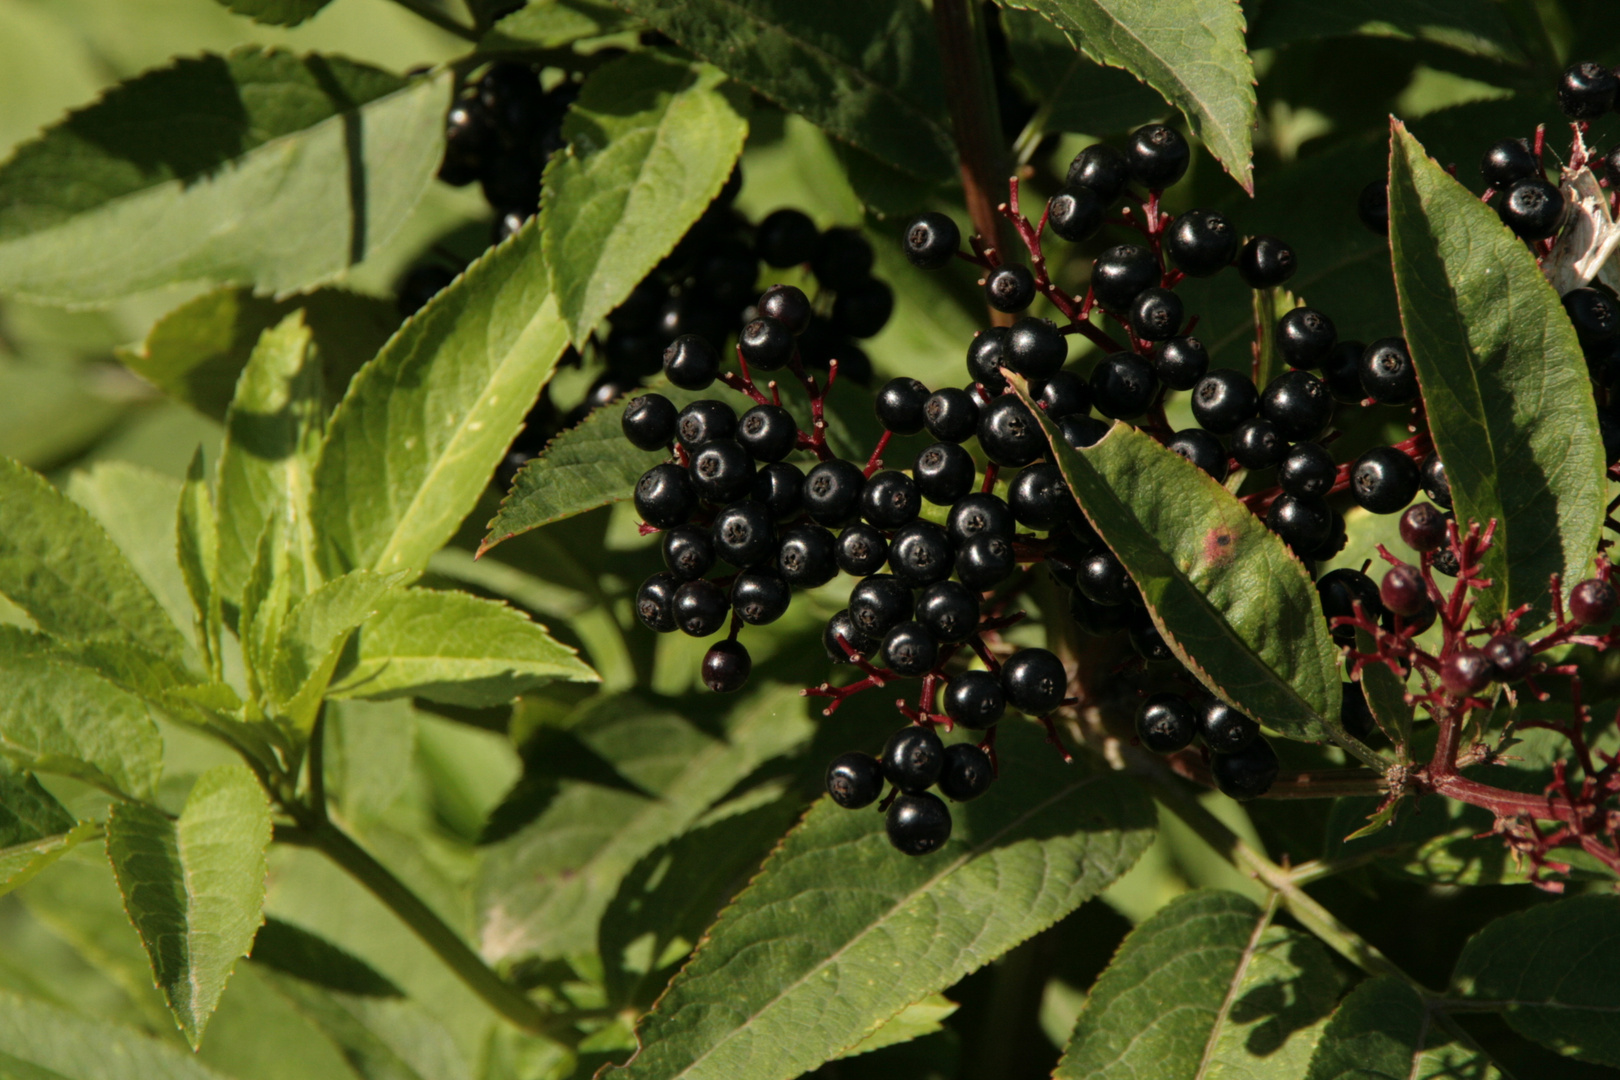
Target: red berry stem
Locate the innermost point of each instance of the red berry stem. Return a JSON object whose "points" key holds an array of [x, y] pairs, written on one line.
{"points": [[1073, 308], [875, 462]]}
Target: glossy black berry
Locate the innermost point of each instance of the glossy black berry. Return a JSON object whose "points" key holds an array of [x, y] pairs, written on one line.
{"points": [[1224, 399], [1592, 602], [841, 627], [861, 550], [843, 258], [1298, 403], [943, 473], [1008, 434], [1009, 288], [690, 313], [1305, 336], [1387, 372], [469, 136], [948, 611], [1432, 475], [1339, 591], [912, 758], [1593, 313], [655, 603], [863, 308], [1303, 522], [1180, 362], [1587, 90], [985, 561], [788, 305], [1039, 497], [1102, 169], [1034, 681], [855, 780], [1157, 155], [951, 415], [1247, 774], [1122, 385], [780, 486], [1166, 723], [1507, 161], [1103, 580], [890, 500], [688, 551], [900, 405], [918, 824], [1035, 349], [1120, 273], [786, 238], [665, 496], [921, 554], [1266, 262], [1064, 394], [1201, 242], [975, 699], [1146, 639], [931, 240], [1341, 372], [744, 533], [1222, 728], [1510, 654], [703, 422], [1372, 206], [1257, 444], [1202, 449], [878, 603], [1403, 592], [726, 667], [832, 492], [765, 344], [1156, 315], [722, 471], [1082, 431], [979, 513], [768, 432], [1307, 470], [649, 422], [1383, 480], [1533, 208], [691, 362], [908, 650], [806, 556], [1075, 213], [987, 354], [968, 772], [701, 607]]}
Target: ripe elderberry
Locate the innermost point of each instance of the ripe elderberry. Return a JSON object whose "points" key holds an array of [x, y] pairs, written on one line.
{"points": [[1035, 349], [726, 667], [1202, 449], [1592, 602], [968, 773], [987, 355], [908, 650], [948, 611], [767, 432], [1387, 372], [854, 780], [1083, 431], [985, 561], [878, 603], [1102, 578], [780, 487], [1257, 444], [744, 533], [931, 240], [701, 607], [806, 556], [788, 305], [944, 473], [1102, 169], [1180, 362], [785, 238], [841, 627], [1063, 394], [1156, 315], [1039, 496], [703, 422], [912, 758], [765, 344], [691, 363], [1423, 526], [861, 550], [1247, 774], [1166, 723], [1224, 729], [975, 699], [1122, 386], [1120, 273], [1403, 592], [1224, 399], [979, 513], [1147, 641], [665, 496], [655, 603], [1587, 90], [1532, 208], [722, 471], [1339, 591], [1157, 156], [842, 258], [1075, 213], [862, 309], [1305, 336], [1432, 474], [1008, 434], [1201, 242], [1009, 288], [890, 500], [1594, 314], [920, 554], [1511, 656], [649, 422], [1298, 403], [687, 552], [1383, 480], [1304, 522], [1266, 262], [1507, 161], [1307, 470], [918, 823], [832, 492], [951, 415], [1034, 681]]}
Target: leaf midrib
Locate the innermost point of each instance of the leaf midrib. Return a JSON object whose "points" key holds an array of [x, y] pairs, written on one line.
{"points": [[1232, 987]]}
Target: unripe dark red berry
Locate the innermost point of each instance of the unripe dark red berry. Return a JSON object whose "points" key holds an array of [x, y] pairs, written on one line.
{"points": [[1403, 591], [1423, 527], [1511, 655], [1466, 671], [1592, 602]]}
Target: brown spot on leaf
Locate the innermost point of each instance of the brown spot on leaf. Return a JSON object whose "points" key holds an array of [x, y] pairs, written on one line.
{"points": [[1220, 545]]}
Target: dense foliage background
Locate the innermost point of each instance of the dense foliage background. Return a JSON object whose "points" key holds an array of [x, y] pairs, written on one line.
{"points": [[194, 268]]}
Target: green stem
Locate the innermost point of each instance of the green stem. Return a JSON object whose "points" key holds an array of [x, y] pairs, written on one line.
{"points": [[426, 10], [497, 993]]}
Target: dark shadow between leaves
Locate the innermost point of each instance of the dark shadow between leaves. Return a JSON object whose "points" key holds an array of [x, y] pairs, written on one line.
{"points": [[297, 952]]}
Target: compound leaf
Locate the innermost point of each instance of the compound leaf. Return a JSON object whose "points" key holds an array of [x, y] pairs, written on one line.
{"points": [[194, 887], [1206, 987], [455, 648], [1508, 398], [651, 141], [1383, 1031], [1529, 963], [838, 933], [42, 1042], [276, 12], [1236, 607], [267, 168], [1191, 51], [424, 424], [35, 829], [869, 74]]}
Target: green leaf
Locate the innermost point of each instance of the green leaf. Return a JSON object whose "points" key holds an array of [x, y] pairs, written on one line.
{"points": [[41, 1042], [268, 168], [35, 829], [295, 951], [454, 648], [266, 600], [194, 887], [1236, 607], [913, 1022], [651, 773], [651, 142], [553, 23], [867, 73], [1508, 398], [273, 433], [1464, 25], [1191, 51], [424, 424], [1079, 95], [56, 716], [197, 547], [1205, 987], [380, 1038], [312, 638], [1545, 968], [1383, 1031], [838, 932], [1439, 842], [60, 566], [196, 352], [276, 12]]}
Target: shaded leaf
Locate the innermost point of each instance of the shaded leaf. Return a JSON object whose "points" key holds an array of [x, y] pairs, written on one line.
{"points": [[41, 1042], [60, 566], [839, 932], [424, 424], [276, 12], [912, 1022], [1191, 51], [867, 73], [551, 24], [1534, 964], [196, 352], [454, 648], [1080, 95], [35, 829], [1508, 398], [269, 168], [1206, 987], [1236, 607], [1383, 1031], [295, 951], [1436, 842], [1464, 25], [379, 1038], [194, 888]]}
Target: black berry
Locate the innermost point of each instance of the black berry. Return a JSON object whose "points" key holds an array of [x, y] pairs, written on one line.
{"points": [[1121, 272], [744, 533], [1157, 156], [780, 486], [786, 238], [931, 240], [1340, 590], [1303, 522], [855, 780], [1432, 475], [1063, 394], [863, 308], [1298, 403], [1103, 579], [1156, 314], [920, 554], [701, 607], [908, 650], [918, 823], [765, 344], [807, 556], [1181, 362], [1257, 444], [1075, 213], [1082, 431], [1035, 349], [1507, 161], [843, 258], [1034, 681], [979, 513], [948, 611], [1587, 90], [649, 422], [1383, 480], [841, 627], [1307, 470], [1201, 242], [1354, 713], [1305, 336], [913, 757], [987, 355], [975, 699], [1147, 641], [1594, 314], [705, 421], [1010, 288], [1224, 729], [967, 774], [1039, 497], [1008, 434], [890, 500], [1532, 208], [1341, 371], [688, 551], [1166, 723], [691, 362], [1224, 399], [665, 496], [655, 603], [861, 550], [1387, 372], [726, 667], [722, 471], [1101, 168], [1122, 385], [832, 492], [1266, 262], [1247, 774], [1202, 449], [879, 603], [900, 405], [951, 415], [944, 472], [985, 561]]}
